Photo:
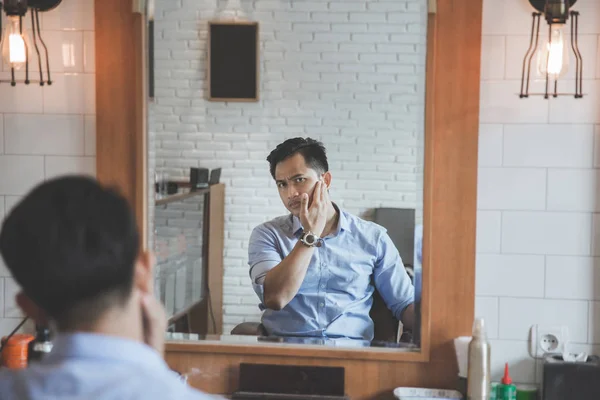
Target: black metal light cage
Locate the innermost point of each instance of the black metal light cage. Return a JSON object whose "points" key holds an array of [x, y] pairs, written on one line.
{"points": [[555, 12], [19, 8]]}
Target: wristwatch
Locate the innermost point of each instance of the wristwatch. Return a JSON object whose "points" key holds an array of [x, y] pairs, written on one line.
{"points": [[310, 239]]}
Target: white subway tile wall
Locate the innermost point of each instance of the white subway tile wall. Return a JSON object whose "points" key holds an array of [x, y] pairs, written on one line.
{"points": [[1, 136], [489, 230], [490, 145], [348, 73], [48, 131], [90, 135], [537, 227]]}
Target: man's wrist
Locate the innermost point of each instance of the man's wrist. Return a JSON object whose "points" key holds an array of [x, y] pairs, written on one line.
{"points": [[309, 239]]}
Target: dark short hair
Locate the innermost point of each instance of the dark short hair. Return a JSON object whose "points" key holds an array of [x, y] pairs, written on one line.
{"points": [[313, 151], [70, 242]]}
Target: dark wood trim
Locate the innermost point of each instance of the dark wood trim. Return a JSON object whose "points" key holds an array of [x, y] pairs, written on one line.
{"points": [[207, 316], [216, 215], [428, 268], [141, 127]]}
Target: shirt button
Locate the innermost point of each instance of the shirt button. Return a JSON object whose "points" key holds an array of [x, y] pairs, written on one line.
{"points": [[322, 304], [322, 286]]}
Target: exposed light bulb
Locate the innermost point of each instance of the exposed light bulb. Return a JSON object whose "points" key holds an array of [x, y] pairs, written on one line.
{"points": [[17, 54], [553, 55], [14, 44]]}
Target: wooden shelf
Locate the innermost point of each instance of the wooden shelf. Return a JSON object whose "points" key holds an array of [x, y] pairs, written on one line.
{"points": [[181, 196]]}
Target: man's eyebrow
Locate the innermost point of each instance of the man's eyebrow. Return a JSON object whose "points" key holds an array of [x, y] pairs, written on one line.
{"points": [[288, 179]]}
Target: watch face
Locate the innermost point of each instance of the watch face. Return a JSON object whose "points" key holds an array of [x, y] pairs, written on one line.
{"points": [[310, 239]]}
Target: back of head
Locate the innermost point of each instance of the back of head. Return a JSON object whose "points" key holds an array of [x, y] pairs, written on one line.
{"points": [[71, 245]]}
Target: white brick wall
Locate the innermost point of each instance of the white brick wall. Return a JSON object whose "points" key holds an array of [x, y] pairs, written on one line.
{"points": [[537, 222], [348, 73], [45, 132]]}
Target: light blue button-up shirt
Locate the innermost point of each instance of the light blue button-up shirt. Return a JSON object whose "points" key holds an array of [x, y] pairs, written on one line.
{"points": [[336, 295], [94, 367]]}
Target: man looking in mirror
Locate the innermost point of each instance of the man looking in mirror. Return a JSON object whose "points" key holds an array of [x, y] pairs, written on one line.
{"points": [[313, 270], [74, 249]]}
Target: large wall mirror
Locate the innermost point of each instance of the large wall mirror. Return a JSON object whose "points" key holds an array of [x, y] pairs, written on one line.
{"points": [[202, 237], [348, 74]]}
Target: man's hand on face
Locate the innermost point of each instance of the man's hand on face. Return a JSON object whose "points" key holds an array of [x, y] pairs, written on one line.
{"points": [[155, 322], [314, 217]]}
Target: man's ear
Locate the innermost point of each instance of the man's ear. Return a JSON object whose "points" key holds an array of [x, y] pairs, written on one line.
{"points": [[143, 277], [31, 309], [327, 179]]}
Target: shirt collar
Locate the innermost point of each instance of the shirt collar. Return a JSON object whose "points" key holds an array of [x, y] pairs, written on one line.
{"points": [[296, 224], [104, 347], [343, 223]]}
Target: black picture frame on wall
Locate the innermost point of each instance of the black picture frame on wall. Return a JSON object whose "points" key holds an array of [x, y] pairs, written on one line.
{"points": [[233, 61]]}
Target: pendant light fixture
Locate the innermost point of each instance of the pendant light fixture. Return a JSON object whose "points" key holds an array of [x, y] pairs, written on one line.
{"points": [[549, 52], [16, 44]]}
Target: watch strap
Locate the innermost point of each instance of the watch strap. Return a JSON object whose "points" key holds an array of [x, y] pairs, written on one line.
{"points": [[314, 243]]}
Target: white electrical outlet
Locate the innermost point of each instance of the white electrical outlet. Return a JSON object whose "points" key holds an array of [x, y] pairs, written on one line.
{"points": [[545, 340]]}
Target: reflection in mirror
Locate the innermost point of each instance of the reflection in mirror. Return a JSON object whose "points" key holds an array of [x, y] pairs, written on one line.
{"points": [[340, 115]]}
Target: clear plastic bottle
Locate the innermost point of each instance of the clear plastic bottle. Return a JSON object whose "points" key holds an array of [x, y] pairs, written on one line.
{"points": [[478, 374]]}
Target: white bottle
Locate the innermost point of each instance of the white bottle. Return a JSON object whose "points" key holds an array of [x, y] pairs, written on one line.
{"points": [[478, 375]]}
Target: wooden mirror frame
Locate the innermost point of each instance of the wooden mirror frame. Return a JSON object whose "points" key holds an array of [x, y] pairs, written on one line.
{"points": [[450, 199]]}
